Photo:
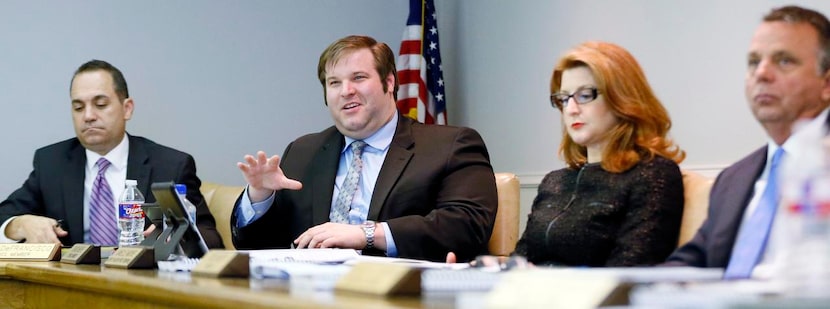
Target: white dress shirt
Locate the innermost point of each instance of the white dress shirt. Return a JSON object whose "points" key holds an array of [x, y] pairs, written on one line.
{"points": [[801, 148]]}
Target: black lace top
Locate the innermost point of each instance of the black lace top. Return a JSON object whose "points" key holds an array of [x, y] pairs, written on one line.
{"points": [[592, 217]]}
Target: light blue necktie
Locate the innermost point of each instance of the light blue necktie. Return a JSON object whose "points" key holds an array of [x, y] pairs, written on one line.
{"points": [[753, 236], [340, 212], [102, 227]]}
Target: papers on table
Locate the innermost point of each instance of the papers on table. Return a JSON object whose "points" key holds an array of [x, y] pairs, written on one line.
{"points": [[320, 269], [290, 263], [419, 264], [316, 256]]}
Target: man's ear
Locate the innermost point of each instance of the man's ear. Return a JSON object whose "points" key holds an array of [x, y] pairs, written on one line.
{"points": [[390, 82], [129, 106]]}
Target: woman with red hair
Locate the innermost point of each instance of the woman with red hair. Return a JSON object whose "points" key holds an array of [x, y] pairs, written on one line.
{"points": [[620, 200]]}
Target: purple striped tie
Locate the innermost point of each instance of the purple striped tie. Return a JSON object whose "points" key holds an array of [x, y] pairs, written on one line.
{"points": [[102, 228]]}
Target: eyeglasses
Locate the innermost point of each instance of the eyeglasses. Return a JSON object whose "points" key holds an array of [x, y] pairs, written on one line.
{"points": [[581, 96]]}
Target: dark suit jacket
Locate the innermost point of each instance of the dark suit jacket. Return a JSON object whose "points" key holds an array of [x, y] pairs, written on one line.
{"points": [[712, 245], [55, 187], [436, 191]]}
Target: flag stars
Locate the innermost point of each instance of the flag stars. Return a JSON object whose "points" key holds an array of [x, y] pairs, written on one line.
{"points": [[439, 97], [433, 30], [433, 45], [434, 16], [441, 82]]}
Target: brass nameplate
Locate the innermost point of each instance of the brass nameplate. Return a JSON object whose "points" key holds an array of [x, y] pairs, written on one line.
{"points": [[381, 279], [131, 257], [82, 254], [30, 252], [223, 263]]}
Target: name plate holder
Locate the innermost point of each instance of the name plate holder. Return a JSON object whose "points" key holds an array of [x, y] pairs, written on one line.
{"points": [[30, 252], [83, 254], [223, 263], [381, 279], [132, 257]]}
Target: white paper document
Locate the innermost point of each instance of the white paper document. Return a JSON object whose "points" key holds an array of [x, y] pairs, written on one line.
{"points": [[317, 256]]}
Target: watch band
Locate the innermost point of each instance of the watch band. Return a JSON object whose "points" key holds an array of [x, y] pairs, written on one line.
{"points": [[369, 232]]}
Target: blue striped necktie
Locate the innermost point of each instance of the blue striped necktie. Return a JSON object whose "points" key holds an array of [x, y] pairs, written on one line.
{"points": [[102, 228], [340, 212], [753, 235]]}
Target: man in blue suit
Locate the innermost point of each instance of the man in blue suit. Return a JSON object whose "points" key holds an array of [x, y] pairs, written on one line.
{"points": [[788, 89]]}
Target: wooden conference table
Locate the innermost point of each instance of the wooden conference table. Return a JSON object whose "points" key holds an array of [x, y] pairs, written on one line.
{"points": [[59, 285]]}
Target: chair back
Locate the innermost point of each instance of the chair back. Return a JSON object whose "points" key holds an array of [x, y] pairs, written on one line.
{"points": [[696, 189], [220, 200], [506, 231]]}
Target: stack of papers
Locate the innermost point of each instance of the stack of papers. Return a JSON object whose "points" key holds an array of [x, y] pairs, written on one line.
{"points": [[315, 256], [325, 265]]}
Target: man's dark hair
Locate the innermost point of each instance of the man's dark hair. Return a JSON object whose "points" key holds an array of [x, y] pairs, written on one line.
{"points": [[795, 14], [117, 78]]}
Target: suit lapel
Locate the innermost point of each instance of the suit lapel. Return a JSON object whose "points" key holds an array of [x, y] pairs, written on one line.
{"points": [[73, 192], [393, 167], [138, 166], [324, 164]]}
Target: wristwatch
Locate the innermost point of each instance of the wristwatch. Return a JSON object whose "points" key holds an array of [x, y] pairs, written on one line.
{"points": [[369, 231]]}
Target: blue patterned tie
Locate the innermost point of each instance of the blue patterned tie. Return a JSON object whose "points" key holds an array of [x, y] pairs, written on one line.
{"points": [[754, 233], [102, 226], [340, 212]]}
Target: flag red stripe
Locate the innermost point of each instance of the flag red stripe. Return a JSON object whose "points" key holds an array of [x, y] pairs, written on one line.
{"points": [[410, 48]]}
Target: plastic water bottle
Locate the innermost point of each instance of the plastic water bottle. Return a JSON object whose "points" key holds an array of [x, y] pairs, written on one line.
{"points": [[130, 215], [806, 269], [191, 209]]}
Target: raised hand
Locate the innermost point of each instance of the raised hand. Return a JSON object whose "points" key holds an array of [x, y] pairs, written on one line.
{"points": [[264, 176]]}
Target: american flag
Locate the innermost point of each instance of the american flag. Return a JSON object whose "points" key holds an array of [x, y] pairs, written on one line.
{"points": [[421, 92]]}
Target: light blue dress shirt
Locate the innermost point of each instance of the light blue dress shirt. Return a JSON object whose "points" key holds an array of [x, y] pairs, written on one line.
{"points": [[373, 156]]}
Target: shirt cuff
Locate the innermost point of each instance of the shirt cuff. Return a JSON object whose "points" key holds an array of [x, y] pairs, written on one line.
{"points": [[391, 249], [3, 238], [248, 213]]}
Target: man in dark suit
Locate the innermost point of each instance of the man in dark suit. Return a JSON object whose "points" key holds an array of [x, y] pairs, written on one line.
{"points": [[59, 187], [409, 190], [787, 82]]}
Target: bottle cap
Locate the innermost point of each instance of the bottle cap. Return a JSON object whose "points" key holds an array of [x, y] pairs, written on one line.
{"points": [[181, 189], [131, 182]]}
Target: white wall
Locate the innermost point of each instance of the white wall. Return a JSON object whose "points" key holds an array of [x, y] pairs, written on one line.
{"points": [[217, 79], [220, 79]]}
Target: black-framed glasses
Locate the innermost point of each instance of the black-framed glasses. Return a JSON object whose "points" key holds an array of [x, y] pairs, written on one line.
{"points": [[582, 95]]}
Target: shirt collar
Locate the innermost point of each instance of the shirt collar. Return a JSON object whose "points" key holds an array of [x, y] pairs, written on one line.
{"points": [[805, 135], [117, 156], [381, 139]]}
